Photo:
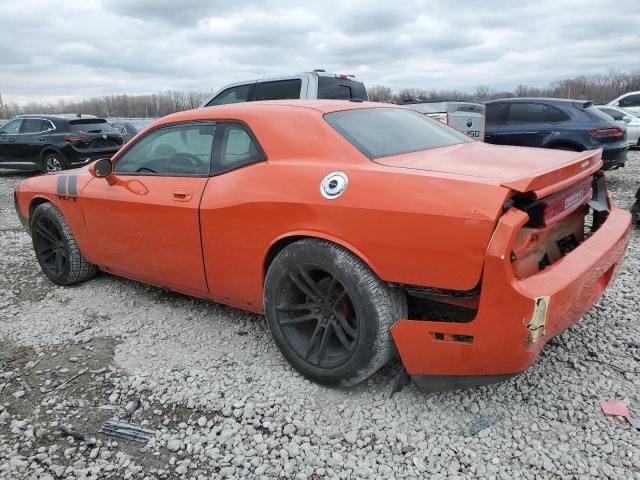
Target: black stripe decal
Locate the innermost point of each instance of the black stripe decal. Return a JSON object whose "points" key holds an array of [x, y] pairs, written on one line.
{"points": [[61, 187], [71, 185]]}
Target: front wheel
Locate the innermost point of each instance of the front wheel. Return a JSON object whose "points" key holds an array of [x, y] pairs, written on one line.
{"points": [[56, 248], [329, 314]]}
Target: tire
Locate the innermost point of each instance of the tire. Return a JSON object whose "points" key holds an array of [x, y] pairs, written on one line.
{"points": [[53, 162], [329, 314], [56, 249]]}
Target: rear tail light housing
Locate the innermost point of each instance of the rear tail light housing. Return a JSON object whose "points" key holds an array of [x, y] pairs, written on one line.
{"points": [[76, 138], [554, 208], [441, 117], [606, 132]]}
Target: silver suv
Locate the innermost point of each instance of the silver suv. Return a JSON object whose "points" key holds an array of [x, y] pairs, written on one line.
{"points": [[305, 86], [466, 117]]}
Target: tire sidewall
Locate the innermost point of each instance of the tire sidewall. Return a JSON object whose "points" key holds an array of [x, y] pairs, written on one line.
{"points": [[46, 210], [367, 315]]}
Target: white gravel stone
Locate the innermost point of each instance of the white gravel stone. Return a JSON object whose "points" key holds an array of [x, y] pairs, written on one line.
{"points": [[225, 402]]}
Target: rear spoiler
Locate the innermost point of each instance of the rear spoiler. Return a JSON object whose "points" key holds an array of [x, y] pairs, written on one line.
{"points": [[550, 181]]}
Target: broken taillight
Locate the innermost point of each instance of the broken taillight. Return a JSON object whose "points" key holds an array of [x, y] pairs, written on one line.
{"points": [[555, 207]]}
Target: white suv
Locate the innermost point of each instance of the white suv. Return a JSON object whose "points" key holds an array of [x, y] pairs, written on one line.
{"points": [[629, 101], [305, 86]]}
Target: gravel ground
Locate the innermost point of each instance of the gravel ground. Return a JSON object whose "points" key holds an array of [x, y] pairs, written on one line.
{"points": [[224, 403]]}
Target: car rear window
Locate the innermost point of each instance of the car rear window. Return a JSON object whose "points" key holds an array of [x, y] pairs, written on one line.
{"points": [[340, 89], [91, 126], [384, 132]]}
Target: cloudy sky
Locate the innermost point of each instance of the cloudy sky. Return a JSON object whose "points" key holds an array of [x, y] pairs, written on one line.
{"points": [[79, 48]]}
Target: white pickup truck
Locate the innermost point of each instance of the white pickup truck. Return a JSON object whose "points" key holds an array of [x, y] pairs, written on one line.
{"points": [[466, 117], [304, 86]]}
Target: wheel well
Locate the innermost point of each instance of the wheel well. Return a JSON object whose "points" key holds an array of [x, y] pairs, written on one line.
{"points": [[281, 244], [35, 203], [566, 144], [276, 248]]}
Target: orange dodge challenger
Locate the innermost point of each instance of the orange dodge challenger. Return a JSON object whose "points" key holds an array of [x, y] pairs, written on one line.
{"points": [[356, 228]]}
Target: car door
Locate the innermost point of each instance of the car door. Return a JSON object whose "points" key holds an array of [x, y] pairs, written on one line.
{"points": [[33, 136], [143, 221], [225, 216], [8, 137], [494, 117], [525, 125]]}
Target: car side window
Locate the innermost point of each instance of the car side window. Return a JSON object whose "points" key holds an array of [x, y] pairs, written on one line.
{"points": [[554, 114], [12, 127], [237, 148], [238, 94], [494, 112], [526, 113], [183, 150], [33, 125], [630, 101], [279, 90]]}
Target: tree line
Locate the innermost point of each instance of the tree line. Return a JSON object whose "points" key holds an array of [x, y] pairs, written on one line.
{"points": [[599, 88]]}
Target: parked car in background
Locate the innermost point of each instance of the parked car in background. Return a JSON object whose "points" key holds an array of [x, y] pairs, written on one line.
{"points": [[466, 117], [556, 123], [305, 86], [629, 101], [51, 143], [126, 129], [321, 215], [625, 119]]}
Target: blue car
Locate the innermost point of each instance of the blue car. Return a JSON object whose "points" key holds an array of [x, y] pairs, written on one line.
{"points": [[556, 123]]}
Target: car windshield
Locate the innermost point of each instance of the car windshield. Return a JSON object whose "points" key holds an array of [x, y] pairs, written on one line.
{"points": [[384, 132]]}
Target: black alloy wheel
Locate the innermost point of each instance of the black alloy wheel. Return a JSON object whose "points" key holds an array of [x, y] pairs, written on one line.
{"points": [[329, 314], [318, 317], [51, 249]]}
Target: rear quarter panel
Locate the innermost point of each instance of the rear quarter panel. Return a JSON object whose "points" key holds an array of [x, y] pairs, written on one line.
{"points": [[411, 228]]}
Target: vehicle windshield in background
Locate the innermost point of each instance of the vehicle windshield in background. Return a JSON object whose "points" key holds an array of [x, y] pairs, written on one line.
{"points": [[340, 89], [384, 132], [91, 126]]}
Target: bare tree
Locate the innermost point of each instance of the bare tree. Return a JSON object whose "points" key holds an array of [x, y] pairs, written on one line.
{"points": [[599, 88]]}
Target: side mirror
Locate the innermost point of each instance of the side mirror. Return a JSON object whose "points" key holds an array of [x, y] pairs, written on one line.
{"points": [[101, 168], [626, 119]]}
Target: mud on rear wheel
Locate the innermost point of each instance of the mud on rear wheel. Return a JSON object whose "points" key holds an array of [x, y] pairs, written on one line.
{"points": [[56, 249], [329, 314]]}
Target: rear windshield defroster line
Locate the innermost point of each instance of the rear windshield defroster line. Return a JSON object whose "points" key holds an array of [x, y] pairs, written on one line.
{"points": [[384, 132]]}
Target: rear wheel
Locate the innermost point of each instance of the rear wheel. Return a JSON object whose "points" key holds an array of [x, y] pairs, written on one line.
{"points": [[329, 314], [56, 248], [53, 162]]}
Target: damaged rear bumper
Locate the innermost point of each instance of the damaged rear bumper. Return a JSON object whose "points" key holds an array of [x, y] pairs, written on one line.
{"points": [[515, 318]]}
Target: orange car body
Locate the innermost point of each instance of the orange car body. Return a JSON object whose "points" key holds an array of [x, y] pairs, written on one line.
{"points": [[437, 219]]}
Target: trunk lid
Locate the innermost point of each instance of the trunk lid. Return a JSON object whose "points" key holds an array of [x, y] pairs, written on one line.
{"points": [[536, 170]]}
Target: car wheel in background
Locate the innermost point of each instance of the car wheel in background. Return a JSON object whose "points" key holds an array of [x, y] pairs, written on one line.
{"points": [[329, 314], [53, 162], [56, 248]]}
